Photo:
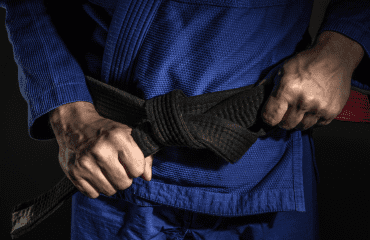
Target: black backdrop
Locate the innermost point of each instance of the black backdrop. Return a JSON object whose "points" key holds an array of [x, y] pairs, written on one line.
{"points": [[29, 168]]}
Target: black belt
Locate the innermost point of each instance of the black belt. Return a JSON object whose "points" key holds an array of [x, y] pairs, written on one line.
{"points": [[227, 123]]}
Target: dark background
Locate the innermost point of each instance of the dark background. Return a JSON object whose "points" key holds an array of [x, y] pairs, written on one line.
{"points": [[29, 168]]}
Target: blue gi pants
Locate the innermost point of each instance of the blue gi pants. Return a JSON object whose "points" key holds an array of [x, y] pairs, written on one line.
{"points": [[105, 218]]}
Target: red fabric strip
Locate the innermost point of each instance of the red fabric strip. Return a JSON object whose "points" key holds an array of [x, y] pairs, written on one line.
{"points": [[357, 108]]}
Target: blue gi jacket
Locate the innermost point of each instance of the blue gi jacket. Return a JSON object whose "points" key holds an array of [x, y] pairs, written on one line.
{"points": [[198, 46]]}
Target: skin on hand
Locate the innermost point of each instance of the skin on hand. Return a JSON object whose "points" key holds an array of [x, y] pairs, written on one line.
{"points": [[315, 85], [97, 154]]}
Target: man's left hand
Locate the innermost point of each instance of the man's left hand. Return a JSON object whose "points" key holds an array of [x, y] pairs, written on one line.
{"points": [[312, 90]]}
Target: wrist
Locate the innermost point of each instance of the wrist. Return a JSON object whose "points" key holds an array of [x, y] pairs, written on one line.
{"points": [[76, 111], [337, 49], [70, 108]]}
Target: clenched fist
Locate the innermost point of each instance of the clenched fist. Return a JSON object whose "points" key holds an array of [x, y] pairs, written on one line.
{"points": [[315, 84], [97, 154]]}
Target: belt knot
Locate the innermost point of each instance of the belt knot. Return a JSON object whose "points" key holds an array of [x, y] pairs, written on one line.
{"points": [[165, 115]]}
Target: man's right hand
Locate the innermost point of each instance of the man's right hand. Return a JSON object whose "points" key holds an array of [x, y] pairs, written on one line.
{"points": [[97, 154]]}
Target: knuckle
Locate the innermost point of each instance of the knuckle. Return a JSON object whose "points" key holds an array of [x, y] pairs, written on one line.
{"points": [[102, 152], [116, 135], [83, 162], [278, 107], [101, 147]]}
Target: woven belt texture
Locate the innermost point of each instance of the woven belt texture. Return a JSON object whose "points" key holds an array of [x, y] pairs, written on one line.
{"points": [[227, 123]]}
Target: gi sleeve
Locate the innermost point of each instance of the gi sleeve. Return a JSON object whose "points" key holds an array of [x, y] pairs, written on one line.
{"points": [[49, 76], [352, 19]]}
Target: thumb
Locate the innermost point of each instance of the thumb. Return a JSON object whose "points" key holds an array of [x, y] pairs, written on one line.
{"points": [[147, 175], [276, 105], [274, 109]]}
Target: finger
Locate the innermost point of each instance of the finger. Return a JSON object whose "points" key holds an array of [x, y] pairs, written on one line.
{"points": [[126, 171], [274, 110], [92, 173], [323, 122], [290, 119], [86, 189], [308, 121], [133, 158], [147, 175], [106, 173], [114, 183], [124, 178], [297, 117]]}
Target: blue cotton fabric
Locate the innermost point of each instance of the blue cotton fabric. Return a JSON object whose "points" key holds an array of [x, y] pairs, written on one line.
{"points": [[107, 218], [198, 47]]}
